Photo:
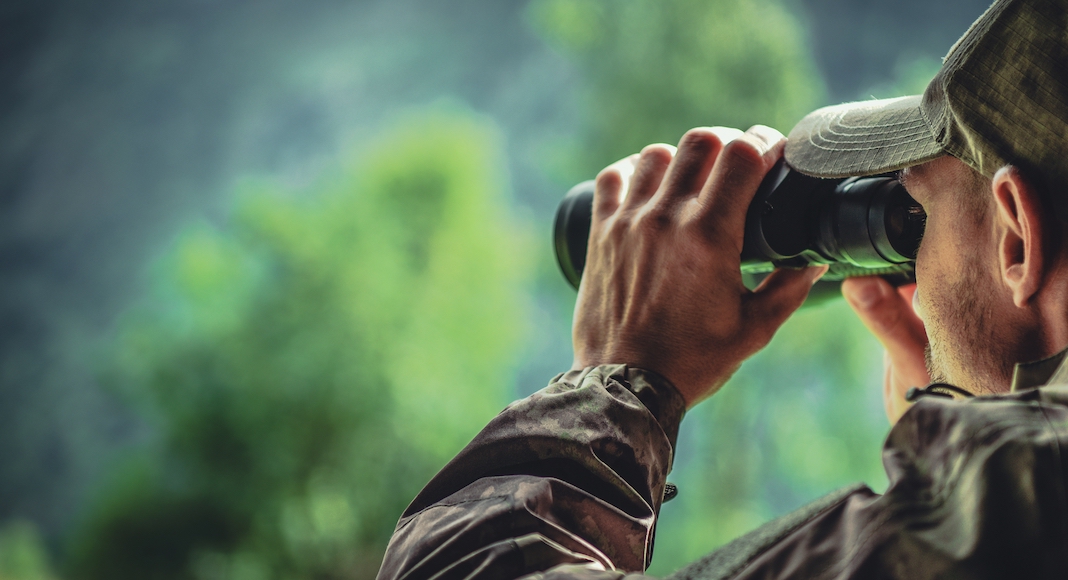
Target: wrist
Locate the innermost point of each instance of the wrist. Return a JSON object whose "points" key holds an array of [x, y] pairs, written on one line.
{"points": [[693, 385]]}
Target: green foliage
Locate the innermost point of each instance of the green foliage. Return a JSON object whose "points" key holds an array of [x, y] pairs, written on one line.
{"points": [[910, 77], [22, 553], [309, 366], [305, 369], [653, 69]]}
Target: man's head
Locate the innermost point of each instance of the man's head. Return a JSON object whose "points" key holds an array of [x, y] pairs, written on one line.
{"points": [[981, 150], [990, 273]]}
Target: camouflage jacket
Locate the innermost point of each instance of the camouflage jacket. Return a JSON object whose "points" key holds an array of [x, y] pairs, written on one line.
{"points": [[567, 483]]}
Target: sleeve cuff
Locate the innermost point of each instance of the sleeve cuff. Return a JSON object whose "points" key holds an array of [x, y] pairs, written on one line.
{"points": [[657, 393]]}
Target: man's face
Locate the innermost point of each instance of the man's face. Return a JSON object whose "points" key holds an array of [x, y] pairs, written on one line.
{"points": [[975, 335]]}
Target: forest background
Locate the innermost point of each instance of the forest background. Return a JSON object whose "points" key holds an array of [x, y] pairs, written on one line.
{"points": [[266, 265]]}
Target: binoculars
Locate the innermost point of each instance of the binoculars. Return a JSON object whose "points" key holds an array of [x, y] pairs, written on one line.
{"points": [[860, 226]]}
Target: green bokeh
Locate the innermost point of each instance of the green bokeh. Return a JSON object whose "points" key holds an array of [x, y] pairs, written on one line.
{"points": [[652, 70], [23, 555], [302, 369], [310, 365]]}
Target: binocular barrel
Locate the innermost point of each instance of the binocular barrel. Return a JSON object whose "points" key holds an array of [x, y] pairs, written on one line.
{"points": [[860, 226]]}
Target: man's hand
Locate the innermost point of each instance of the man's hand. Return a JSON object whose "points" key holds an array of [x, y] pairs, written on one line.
{"points": [[889, 315], [662, 288]]}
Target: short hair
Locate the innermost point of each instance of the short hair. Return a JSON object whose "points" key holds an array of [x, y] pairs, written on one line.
{"points": [[980, 200], [1052, 196]]}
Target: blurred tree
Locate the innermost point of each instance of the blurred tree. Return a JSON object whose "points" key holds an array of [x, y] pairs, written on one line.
{"points": [[651, 70], [861, 44], [22, 553], [309, 366], [304, 370]]}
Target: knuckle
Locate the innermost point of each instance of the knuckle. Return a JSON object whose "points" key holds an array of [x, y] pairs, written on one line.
{"points": [[657, 154], [655, 220], [710, 235], [702, 139], [766, 134], [614, 230], [726, 134], [620, 225], [745, 152], [609, 179]]}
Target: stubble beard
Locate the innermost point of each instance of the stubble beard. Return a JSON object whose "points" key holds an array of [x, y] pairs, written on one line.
{"points": [[965, 347]]}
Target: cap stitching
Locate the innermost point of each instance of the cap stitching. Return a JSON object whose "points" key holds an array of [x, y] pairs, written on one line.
{"points": [[914, 130], [859, 146]]}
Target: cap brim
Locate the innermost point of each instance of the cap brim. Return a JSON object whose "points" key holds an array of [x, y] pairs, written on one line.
{"points": [[863, 138]]}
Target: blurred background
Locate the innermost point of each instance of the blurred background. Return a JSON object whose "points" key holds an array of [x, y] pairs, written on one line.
{"points": [[266, 265]]}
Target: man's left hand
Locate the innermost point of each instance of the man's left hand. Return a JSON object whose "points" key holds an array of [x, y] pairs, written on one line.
{"points": [[662, 287]]}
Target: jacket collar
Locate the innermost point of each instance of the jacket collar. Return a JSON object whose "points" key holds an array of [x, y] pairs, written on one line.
{"points": [[1051, 370]]}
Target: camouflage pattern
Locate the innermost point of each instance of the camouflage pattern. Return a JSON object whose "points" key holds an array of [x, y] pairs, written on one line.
{"points": [[573, 474], [568, 483]]}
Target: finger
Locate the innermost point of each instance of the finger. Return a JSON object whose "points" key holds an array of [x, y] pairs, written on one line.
{"points": [[893, 392], [908, 292], [738, 171], [896, 385], [726, 134], [653, 162], [889, 316], [611, 182], [696, 155], [779, 296]]}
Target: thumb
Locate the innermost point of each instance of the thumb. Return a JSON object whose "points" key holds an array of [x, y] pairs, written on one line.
{"points": [[889, 316], [779, 295]]}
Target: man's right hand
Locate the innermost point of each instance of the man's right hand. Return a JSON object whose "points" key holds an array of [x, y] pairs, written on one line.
{"points": [[889, 315]]}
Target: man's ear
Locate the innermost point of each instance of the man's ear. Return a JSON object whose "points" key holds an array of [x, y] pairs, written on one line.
{"points": [[1021, 232]]}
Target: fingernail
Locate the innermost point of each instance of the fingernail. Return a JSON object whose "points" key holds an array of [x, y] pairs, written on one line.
{"points": [[768, 137], [817, 272]]}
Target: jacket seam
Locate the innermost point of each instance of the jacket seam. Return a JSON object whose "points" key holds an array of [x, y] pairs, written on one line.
{"points": [[748, 563]]}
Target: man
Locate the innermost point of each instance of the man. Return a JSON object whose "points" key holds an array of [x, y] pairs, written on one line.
{"points": [[568, 483]]}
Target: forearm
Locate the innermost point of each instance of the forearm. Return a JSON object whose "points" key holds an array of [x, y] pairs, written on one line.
{"points": [[573, 474]]}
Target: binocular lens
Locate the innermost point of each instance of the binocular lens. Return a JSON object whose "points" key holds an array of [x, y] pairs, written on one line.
{"points": [[904, 227], [867, 223]]}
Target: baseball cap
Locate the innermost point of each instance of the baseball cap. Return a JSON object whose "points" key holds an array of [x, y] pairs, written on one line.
{"points": [[1000, 97]]}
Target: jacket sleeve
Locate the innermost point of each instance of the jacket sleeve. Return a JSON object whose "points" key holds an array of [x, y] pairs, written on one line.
{"points": [[567, 482]]}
